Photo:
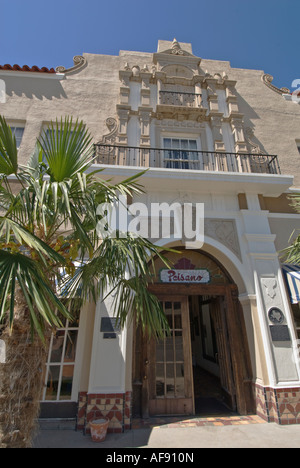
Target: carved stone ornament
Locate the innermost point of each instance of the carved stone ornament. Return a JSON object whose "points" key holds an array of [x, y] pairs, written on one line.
{"points": [[267, 79], [270, 286], [105, 153], [255, 148], [276, 316], [110, 138], [225, 232], [177, 50], [79, 62]]}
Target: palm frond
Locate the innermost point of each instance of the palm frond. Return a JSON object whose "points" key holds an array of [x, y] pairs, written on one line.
{"points": [[291, 254], [8, 149], [17, 269], [67, 148], [122, 268], [60, 191], [11, 231]]}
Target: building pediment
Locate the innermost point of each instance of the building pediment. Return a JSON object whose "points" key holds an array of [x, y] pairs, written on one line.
{"points": [[175, 53], [176, 49]]}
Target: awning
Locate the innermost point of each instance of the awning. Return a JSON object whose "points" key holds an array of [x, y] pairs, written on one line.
{"points": [[292, 276]]}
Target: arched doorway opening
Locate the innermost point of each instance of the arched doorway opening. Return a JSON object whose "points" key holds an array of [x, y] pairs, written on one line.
{"points": [[203, 366]]}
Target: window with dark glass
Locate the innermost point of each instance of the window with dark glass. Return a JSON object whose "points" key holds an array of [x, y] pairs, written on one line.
{"points": [[180, 153]]}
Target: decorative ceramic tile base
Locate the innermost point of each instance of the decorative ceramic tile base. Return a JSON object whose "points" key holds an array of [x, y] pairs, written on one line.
{"points": [[280, 405], [114, 406]]}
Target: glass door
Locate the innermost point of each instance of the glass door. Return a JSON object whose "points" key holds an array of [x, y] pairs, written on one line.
{"points": [[59, 372], [170, 379]]}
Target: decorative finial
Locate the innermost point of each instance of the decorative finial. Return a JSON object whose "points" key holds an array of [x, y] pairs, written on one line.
{"points": [[175, 44], [176, 49]]}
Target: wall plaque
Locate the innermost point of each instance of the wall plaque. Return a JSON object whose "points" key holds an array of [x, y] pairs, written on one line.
{"points": [[109, 327], [280, 333], [276, 316]]}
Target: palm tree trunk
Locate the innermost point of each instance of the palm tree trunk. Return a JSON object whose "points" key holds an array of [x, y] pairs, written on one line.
{"points": [[21, 380]]}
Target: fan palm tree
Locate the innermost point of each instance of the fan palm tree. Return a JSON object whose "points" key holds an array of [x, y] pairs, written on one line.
{"points": [[49, 243]]}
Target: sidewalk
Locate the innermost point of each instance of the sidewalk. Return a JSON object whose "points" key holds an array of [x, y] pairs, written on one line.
{"points": [[235, 435]]}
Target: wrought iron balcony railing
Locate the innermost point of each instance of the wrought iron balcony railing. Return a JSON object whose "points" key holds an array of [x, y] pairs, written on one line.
{"points": [[171, 98], [186, 159]]}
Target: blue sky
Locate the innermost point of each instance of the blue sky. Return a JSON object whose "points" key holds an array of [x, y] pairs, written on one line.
{"points": [[258, 34]]}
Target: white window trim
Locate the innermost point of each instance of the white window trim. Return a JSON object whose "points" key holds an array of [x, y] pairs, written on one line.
{"points": [[61, 364], [178, 136]]}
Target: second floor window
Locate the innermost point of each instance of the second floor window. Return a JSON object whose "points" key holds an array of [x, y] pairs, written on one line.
{"points": [[180, 153]]}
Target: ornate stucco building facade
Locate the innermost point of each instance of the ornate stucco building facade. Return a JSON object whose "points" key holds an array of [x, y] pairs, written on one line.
{"points": [[207, 133]]}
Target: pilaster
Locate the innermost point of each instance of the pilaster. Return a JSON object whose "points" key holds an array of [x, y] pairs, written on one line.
{"points": [[145, 89], [237, 126], [124, 76], [216, 126], [270, 294], [123, 113], [145, 118]]}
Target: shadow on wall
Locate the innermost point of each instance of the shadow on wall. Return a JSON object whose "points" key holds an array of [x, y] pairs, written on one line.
{"points": [[254, 144], [38, 88]]}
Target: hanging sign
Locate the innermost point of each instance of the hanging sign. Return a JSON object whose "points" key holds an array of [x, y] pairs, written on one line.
{"points": [[185, 276]]}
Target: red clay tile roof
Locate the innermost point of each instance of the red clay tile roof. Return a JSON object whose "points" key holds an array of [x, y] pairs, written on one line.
{"points": [[26, 68]]}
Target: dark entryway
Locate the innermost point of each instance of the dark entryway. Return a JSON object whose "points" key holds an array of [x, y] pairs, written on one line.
{"points": [[204, 366], [214, 391], [209, 399]]}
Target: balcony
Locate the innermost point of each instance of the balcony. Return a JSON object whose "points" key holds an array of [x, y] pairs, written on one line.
{"points": [[187, 105], [133, 156], [170, 98]]}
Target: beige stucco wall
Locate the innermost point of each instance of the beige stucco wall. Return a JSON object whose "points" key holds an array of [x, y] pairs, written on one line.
{"points": [[92, 93], [286, 229]]}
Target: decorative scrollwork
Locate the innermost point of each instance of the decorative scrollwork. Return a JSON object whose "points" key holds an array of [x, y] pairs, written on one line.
{"points": [[259, 159], [255, 148], [79, 62], [105, 153], [267, 79]]}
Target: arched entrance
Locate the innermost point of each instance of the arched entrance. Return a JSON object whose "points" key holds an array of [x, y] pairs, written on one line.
{"points": [[205, 360]]}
